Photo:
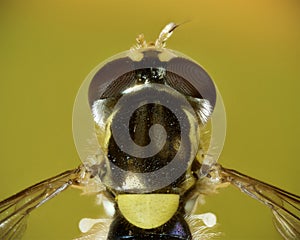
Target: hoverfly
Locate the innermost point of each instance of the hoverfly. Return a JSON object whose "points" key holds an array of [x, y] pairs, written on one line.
{"points": [[149, 126]]}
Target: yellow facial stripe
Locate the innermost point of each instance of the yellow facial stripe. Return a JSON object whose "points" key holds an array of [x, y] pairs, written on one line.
{"points": [[148, 210]]}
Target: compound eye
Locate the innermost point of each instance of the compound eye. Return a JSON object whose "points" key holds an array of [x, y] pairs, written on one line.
{"points": [[110, 80], [190, 79]]}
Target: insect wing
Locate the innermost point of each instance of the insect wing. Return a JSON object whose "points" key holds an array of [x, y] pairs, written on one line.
{"points": [[285, 206], [14, 210]]}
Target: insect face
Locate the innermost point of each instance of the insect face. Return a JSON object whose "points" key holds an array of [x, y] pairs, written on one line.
{"points": [[148, 114]]}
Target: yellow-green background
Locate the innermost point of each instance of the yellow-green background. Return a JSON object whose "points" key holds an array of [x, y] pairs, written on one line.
{"points": [[250, 48]]}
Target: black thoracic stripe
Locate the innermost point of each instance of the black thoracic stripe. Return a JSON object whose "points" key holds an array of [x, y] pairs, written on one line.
{"points": [[139, 126]]}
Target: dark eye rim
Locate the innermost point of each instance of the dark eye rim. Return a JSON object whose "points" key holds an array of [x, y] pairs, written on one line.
{"points": [[185, 76], [196, 81], [107, 75]]}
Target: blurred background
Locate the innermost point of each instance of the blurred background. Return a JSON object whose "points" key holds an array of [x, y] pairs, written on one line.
{"points": [[250, 48]]}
